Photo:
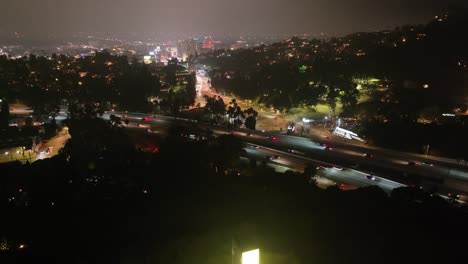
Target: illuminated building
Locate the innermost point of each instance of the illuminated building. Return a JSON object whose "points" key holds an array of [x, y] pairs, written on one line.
{"points": [[186, 48], [239, 45]]}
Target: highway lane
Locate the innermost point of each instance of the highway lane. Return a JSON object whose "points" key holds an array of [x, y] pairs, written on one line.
{"points": [[338, 153], [359, 178], [303, 149], [398, 156], [350, 153], [334, 152], [346, 178], [442, 166], [327, 170]]}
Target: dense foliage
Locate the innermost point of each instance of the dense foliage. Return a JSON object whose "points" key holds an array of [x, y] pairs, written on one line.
{"points": [[421, 67], [102, 200]]}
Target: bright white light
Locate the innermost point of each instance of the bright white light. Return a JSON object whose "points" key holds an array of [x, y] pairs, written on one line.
{"points": [[426, 86], [251, 257]]}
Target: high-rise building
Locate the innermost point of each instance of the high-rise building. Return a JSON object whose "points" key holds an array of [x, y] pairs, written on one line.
{"points": [[186, 48]]}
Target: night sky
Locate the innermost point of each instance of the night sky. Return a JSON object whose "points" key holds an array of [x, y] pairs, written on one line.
{"points": [[217, 16]]}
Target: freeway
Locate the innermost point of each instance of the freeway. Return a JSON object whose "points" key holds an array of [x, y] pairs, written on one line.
{"points": [[324, 169], [398, 166], [390, 164]]}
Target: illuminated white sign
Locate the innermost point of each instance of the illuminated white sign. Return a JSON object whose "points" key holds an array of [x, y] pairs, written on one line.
{"points": [[251, 257], [346, 134]]}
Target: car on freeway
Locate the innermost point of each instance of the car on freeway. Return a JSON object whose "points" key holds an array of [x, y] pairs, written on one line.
{"points": [[453, 195], [370, 177], [368, 155], [415, 186], [326, 146], [428, 163], [272, 138], [274, 157], [293, 151], [146, 119], [411, 163]]}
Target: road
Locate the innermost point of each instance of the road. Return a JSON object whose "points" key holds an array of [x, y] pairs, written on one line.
{"points": [[333, 172], [455, 178], [161, 124], [387, 163], [271, 121], [267, 119]]}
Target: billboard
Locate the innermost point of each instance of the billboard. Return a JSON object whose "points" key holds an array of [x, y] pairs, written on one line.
{"points": [[251, 257]]}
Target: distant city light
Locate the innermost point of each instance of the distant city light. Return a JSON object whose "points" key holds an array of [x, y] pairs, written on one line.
{"points": [[425, 86]]}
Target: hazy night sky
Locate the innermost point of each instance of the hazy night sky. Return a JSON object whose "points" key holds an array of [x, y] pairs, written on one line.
{"points": [[217, 16]]}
